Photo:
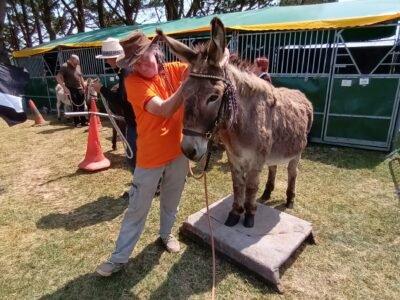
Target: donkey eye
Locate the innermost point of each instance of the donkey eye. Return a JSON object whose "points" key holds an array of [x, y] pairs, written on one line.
{"points": [[212, 99]]}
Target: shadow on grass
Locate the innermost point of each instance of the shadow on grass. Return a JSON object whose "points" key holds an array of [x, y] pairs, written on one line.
{"points": [[341, 157], [101, 210], [190, 275], [58, 129], [193, 274], [78, 172], [118, 286], [117, 160]]}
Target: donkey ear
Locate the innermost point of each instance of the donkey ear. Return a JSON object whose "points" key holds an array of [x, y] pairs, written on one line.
{"points": [[183, 52], [216, 48]]}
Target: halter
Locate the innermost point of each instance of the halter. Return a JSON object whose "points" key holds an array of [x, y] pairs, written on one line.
{"points": [[228, 105]]}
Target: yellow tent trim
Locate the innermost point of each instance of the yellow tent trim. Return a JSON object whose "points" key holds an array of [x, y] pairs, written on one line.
{"points": [[321, 24], [29, 52]]}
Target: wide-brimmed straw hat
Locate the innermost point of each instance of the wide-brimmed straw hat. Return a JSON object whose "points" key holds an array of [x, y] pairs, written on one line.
{"points": [[134, 46], [110, 49]]}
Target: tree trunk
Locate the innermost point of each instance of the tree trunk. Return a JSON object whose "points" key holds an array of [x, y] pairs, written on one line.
{"points": [[24, 24], [100, 12], [13, 39], [81, 16], [37, 22], [171, 9], [47, 17], [3, 54], [128, 10]]}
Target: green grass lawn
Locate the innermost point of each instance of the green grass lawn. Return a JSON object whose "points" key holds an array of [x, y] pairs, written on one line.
{"points": [[58, 223]]}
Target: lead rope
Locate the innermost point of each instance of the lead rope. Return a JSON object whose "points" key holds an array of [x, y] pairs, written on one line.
{"points": [[212, 238], [203, 175], [198, 177]]}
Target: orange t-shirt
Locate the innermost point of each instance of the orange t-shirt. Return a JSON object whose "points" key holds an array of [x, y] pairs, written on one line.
{"points": [[159, 139]]}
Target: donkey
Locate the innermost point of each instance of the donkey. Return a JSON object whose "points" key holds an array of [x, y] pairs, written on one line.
{"points": [[62, 98], [257, 123]]}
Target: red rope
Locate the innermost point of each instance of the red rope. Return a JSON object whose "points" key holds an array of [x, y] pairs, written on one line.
{"points": [[204, 175]]}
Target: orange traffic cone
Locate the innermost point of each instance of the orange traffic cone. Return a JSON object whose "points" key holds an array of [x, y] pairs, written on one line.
{"points": [[94, 159], [39, 121], [93, 107]]}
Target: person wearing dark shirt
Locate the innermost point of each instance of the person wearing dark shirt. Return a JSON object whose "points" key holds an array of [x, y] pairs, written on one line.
{"points": [[71, 79], [110, 50]]}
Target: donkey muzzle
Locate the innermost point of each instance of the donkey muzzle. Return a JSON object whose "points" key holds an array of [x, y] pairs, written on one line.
{"points": [[194, 147]]}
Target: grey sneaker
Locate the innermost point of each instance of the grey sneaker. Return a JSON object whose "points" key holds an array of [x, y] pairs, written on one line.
{"points": [[107, 268], [171, 243]]}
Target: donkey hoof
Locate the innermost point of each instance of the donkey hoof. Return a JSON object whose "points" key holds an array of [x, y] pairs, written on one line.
{"points": [[265, 197], [114, 147], [248, 220], [289, 204], [232, 220]]}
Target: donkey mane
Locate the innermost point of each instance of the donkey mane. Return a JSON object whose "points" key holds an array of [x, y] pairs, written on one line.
{"points": [[239, 71]]}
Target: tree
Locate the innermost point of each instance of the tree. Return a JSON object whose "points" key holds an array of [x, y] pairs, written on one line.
{"points": [[19, 16], [25, 23], [3, 54], [36, 20], [47, 16], [126, 11], [302, 2], [76, 11]]}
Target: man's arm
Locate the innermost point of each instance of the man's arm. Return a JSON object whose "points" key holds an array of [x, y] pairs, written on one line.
{"points": [[82, 82], [166, 108], [111, 96]]}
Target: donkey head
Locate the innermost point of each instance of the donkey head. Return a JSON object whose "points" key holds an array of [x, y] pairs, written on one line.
{"points": [[203, 89]]}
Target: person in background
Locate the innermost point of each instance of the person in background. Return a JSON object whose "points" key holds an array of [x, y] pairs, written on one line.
{"points": [[110, 51], [260, 68], [71, 79], [153, 89]]}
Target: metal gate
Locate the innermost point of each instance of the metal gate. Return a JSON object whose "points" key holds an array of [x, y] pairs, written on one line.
{"points": [[363, 101]]}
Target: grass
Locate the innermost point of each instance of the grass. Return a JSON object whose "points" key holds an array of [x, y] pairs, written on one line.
{"points": [[58, 223]]}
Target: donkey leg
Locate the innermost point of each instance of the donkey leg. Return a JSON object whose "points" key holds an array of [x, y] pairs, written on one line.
{"points": [[114, 139], [291, 188], [270, 185], [250, 205], [238, 198], [58, 110]]}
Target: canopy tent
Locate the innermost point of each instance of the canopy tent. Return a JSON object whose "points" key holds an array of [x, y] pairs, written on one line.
{"points": [[304, 17]]}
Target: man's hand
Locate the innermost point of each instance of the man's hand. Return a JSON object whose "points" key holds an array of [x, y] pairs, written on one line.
{"points": [[97, 86], [66, 90]]}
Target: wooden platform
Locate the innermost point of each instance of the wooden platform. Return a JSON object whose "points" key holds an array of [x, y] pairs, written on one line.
{"points": [[263, 248]]}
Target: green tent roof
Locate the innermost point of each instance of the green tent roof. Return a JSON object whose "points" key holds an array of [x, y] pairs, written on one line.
{"points": [[317, 16]]}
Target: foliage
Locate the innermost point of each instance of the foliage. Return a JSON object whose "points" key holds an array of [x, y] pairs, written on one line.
{"points": [[31, 22]]}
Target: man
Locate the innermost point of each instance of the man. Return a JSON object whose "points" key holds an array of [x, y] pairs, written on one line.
{"points": [[71, 79], [110, 50], [153, 89], [260, 68]]}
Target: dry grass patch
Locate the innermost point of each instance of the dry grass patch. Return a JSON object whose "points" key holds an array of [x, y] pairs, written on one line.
{"points": [[57, 223]]}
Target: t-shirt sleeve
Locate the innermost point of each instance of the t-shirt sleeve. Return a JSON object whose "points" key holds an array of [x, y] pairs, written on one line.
{"points": [[138, 93]]}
